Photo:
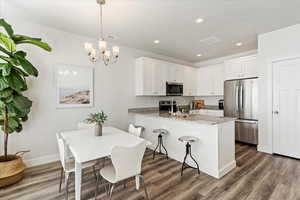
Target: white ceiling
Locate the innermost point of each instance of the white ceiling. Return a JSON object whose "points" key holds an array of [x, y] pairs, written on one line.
{"points": [[137, 23]]}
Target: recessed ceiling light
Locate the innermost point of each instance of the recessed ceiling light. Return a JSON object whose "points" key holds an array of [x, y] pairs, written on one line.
{"points": [[199, 20], [199, 55], [156, 41], [239, 44]]}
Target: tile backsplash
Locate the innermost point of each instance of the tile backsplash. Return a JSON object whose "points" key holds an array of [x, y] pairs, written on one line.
{"points": [[213, 100]]}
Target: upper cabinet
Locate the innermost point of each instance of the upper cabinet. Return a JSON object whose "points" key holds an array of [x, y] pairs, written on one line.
{"points": [[189, 81], [150, 77], [175, 72], [210, 80], [152, 74], [244, 67]]}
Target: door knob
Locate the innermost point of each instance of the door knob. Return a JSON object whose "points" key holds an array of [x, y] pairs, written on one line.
{"points": [[276, 112]]}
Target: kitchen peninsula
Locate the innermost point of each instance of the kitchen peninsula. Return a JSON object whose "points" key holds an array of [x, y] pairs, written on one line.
{"points": [[215, 149]]}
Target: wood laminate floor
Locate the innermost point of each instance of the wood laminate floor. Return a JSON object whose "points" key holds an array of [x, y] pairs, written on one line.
{"points": [[258, 176]]}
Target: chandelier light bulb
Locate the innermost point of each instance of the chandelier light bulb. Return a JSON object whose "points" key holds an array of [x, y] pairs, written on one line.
{"points": [[116, 50], [102, 45], [107, 54], [88, 46]]}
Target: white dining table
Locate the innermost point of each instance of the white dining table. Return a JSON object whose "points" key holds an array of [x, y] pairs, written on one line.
{"points": [[85, 147]]}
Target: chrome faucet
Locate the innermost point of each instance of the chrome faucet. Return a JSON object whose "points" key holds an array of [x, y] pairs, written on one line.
{"points": [[172, 105], [172, 111]]}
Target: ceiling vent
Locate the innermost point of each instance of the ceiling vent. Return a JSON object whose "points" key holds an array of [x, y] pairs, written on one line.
{"points": [[210, 40]]}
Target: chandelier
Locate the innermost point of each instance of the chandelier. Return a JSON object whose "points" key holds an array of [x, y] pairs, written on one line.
{"points": [[106, 55]]}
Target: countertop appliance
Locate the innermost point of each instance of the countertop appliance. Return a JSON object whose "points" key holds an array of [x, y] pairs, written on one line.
{"points": [[174, 89], [197, 104], [241, 101], [166, 106], [221, 104]]}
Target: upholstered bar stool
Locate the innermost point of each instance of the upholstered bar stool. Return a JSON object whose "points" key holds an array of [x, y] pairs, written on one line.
{"points": [[188, 152], [160, 145]]}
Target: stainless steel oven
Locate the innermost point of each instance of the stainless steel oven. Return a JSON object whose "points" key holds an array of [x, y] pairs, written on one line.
{"points": [[174, 89]]}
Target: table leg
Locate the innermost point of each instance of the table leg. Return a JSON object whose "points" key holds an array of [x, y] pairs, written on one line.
{"points": [[137, 182], [77, 180]]}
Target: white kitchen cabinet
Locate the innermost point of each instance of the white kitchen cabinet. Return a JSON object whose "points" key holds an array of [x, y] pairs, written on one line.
{"points": [[250, 67], [244, 67], [233, 69], [189, 82], [150, 77], [217, 78], [204, 83], [174, 72], [210, 80]]}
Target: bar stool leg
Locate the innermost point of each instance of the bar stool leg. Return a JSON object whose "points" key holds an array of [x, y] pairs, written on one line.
{"points": [[158, 144], [162, 144], [188, 151], [183, 163], [194, 159]]}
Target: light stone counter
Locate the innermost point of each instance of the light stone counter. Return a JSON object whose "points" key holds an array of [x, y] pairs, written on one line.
{"points": [[201, 119]]}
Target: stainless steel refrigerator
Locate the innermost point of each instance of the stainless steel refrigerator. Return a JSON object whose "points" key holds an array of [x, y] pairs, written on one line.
{"points": [[241, 101]]}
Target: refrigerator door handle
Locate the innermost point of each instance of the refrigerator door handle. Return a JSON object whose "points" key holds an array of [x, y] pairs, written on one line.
{"points": [[246, 121], [241, 101], [237, 105]]}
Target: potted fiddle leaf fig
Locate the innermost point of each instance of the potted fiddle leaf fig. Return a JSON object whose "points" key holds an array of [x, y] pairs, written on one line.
{"points": [[15, 68], [97, 119]]}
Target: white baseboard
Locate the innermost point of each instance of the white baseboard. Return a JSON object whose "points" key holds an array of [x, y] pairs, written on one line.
{"points": [[41, 160], [265, 149], [227, 168]]}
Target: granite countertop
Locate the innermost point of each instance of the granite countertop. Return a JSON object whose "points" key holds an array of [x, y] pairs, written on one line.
{"points": [[201, 119], [209, 107]]}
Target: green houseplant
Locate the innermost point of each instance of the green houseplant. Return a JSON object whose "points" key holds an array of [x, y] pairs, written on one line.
{"points": [[98, 119], [15, 68]]}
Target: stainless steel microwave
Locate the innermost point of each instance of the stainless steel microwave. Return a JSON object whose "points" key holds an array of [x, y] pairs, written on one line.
{"points": [[174, 89]]}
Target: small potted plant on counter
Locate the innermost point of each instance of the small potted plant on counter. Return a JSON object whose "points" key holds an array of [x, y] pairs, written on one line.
{"points": [[97, 119]]}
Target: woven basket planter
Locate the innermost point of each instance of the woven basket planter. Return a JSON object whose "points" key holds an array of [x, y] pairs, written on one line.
{"points": [[11, 171]]}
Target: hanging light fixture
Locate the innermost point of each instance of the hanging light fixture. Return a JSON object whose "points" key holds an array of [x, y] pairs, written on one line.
{"points": [[106, 55]]}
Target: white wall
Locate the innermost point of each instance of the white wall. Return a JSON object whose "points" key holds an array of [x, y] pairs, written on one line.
{"points": [[276, 45], [114, 90]]}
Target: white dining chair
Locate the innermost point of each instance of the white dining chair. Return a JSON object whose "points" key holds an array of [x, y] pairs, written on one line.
{"points": [[135, 130], [68, 165], [123, 167]]}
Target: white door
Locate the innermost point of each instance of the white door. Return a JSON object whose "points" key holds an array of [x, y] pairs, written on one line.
{"points": [[286, 108]]}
